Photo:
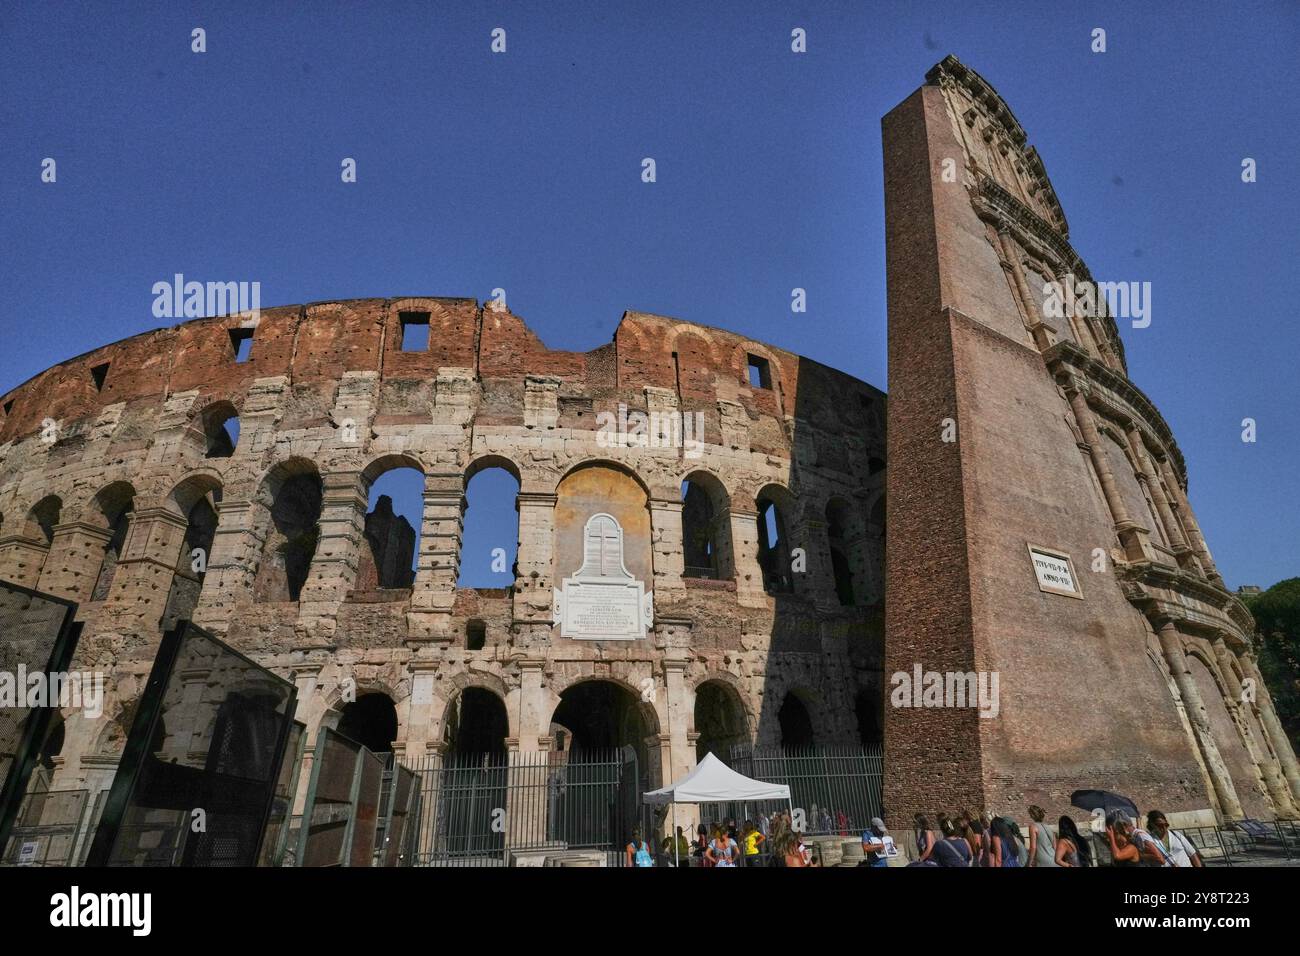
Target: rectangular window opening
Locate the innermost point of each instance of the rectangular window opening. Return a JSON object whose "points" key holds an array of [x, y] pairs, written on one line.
{"points": [[99, 373], [241, 340], [760, 373], [415, 331]]}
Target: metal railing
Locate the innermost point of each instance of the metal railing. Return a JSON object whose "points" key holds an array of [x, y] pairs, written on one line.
{"points": [[837, 789]]}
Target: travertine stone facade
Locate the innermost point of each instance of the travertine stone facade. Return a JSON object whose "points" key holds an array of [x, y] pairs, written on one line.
{"points": [[1145, 682], [327, 402]]}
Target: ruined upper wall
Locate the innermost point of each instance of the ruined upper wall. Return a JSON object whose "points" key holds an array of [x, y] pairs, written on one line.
{"points": [[314, 346]]}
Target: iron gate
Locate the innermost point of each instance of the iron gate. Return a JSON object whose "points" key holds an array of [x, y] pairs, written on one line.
{"points": [[484, 809], [838, 789]]}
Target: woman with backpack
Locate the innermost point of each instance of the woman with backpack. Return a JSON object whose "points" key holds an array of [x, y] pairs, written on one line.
{"points": [[638, 851], [952, 850], [723, 850]]}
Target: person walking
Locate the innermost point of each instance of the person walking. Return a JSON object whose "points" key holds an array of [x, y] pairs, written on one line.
{"points": [[981, 847], [1180, 850], [1042, 848]]}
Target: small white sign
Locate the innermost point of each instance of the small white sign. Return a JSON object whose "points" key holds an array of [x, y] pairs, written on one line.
{"points": [[1055, 571], [27, 853]]}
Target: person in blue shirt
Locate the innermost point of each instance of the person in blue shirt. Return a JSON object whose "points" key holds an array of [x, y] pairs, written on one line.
{"points": [[874, 845]]}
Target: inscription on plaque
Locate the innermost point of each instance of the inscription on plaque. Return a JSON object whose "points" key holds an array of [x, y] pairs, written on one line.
{"points": [[603, 601], [1055, 571]]}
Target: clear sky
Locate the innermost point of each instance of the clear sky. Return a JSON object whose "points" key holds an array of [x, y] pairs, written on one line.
{"points": [[522, 170]]}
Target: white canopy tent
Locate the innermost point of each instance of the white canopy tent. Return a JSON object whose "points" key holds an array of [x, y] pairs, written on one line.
{"points": [[712, 781]]}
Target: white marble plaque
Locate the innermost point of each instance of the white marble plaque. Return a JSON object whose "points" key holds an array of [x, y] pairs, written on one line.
{"points": [[603, 601], [1055, 571]]}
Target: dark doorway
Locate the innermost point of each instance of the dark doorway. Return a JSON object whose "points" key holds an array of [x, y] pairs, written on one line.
{"points": [[477, 723], [370, 720], [870, 726], [796, 723], [719, 721]]}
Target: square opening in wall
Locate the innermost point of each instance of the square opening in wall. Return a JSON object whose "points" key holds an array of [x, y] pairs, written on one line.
{"points": [[241, 340], [760, 373], [415, 331]]}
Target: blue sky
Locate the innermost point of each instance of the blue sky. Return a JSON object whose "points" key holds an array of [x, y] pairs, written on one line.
{"points": [[522, 171]]}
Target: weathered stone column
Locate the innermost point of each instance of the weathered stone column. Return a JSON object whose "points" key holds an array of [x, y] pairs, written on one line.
{"points": [[1273, 727], [744, 550], [1171, 646], [667, 558], [21, 559], [334, 565], [535, 560], [143, 578], [232, 565], [1184, 508], [1259, 751], [1125, 527], [1147, 473], [438, 568], [76, 555]]}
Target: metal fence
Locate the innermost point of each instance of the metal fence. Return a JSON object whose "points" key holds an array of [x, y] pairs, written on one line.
{"points": [[54, 828], [835, 789], [491, 809]]}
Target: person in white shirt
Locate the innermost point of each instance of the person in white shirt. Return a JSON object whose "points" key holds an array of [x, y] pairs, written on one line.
{"points": [[1181, 851]]}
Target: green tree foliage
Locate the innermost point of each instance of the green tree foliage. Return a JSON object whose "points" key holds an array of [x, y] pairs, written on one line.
{"points": [[1277, 616]]}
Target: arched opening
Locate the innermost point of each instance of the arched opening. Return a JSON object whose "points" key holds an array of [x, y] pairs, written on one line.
{"points": [[774, 548], [42, 519], [370, 720], [220, 423], [395, 513], [839, 530], [490, 538], [477, 724], [199, 498], [795, 722], [605, 727], [869, 707], [706, 526], [295, 508], [115, 504], [601, 488], [719, 720]]}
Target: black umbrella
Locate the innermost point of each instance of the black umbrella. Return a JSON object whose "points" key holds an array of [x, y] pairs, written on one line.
{"points": [[1105, 800]]}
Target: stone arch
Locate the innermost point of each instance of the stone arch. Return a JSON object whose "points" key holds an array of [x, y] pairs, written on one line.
{"points": [[645, 710], [707, 548], [112, 508], [777, 508], [600, 486], [846, 543], [292, 495], [490, 521], [392, 521], [209, 430], [42, 517], [595, 461], [476, 719], [720, 715], [797, 719], [196, 499]]}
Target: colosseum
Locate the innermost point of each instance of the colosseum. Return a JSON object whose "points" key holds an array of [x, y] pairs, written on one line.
{"points": [[695, 560]]}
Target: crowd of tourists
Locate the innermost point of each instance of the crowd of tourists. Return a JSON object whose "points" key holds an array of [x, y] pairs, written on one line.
{"points": [[965, 839]]}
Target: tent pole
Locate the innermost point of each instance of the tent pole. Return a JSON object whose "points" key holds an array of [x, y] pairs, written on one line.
{"points": [[676, 859]]}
